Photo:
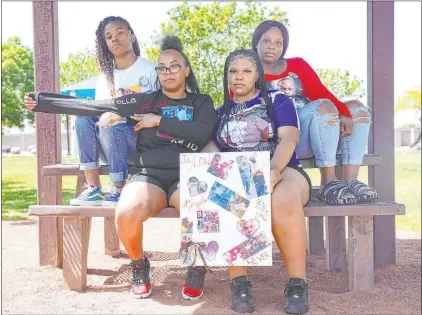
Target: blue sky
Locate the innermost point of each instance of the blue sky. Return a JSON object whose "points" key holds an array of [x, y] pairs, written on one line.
{"points": [[326, 34]]}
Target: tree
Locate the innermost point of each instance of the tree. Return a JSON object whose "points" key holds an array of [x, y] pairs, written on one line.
{"points": [[341, 83], [411, 99], [209, 32], [78, 67], [17, 69]]}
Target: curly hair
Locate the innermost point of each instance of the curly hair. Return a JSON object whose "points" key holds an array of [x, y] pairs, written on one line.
{"points": [[105, 58]]}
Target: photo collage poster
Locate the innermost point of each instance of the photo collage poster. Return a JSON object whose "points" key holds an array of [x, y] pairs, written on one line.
{"points": [[226, 207]]}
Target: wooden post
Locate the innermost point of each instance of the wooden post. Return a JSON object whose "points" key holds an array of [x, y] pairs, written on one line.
{"points": [[316, 234], [76, 240], [335, 232], [381, 140], [111, 239], [361, 253], [49, 189]]}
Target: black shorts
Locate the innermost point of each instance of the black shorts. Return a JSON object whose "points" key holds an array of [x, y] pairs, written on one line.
{"points": [[302, 171], [167, 180]]}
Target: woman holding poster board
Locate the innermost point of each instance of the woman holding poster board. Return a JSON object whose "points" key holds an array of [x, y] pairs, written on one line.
{"points": [[290, 185]]}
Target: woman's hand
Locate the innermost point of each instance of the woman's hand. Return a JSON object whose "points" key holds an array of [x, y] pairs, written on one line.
{"points": [[146, 121], [346, 126], [29, 102], [275, 176]]}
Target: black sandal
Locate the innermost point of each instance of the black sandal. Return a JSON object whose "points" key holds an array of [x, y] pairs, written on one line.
{"points": [[363, 192], [336, 193]]}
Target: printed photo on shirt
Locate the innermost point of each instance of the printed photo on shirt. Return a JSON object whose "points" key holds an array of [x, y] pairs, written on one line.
{"points": [[246, 128], [292, 87], [220, 168], [228, 199], [180, 112], [252, 177], [208, 222]]}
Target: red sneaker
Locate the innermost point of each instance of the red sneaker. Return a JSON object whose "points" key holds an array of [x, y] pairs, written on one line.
{"points": [[194, 285], [141, 279]]}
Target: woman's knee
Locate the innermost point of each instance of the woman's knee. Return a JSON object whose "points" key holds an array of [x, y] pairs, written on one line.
{"points": [[108, 119], [360, 113], [327, 107], [128, 216], [286, 199]]}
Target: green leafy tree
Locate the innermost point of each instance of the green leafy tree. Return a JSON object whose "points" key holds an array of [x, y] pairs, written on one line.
{"points": [[78, 67], [209, 32], [17, 70], [341, 83]]}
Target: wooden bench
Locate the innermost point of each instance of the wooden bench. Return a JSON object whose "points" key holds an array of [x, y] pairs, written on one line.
{"points": [[77, 223], [77, 227]]}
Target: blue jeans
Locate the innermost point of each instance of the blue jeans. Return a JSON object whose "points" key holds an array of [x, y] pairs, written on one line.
{"points": [[114, 145], [320, 137]]}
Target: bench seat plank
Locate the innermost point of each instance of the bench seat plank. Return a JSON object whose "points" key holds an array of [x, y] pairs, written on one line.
{"points": [[313, 209]]}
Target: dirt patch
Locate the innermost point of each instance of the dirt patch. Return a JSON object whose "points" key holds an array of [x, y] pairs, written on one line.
{"points": [[30, 289]]}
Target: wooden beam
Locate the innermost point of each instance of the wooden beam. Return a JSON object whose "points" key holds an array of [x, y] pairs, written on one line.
{"points": [[381, 141], [319, 210], [73, 169], [49, 190]]}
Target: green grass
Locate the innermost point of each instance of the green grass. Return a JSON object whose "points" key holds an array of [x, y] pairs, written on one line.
{"points": [[19, 187]]}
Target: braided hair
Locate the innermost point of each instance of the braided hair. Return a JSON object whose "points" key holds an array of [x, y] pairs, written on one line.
{"points": [[172, 42], [105, 58], [260, 84]]}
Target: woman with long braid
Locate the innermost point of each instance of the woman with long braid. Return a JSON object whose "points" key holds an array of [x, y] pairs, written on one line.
{"points": [[124, 72], [161, 137], [290, 185]]}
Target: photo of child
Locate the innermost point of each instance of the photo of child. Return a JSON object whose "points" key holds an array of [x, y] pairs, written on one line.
{"points": [[210, 251], [185, 255], [228, 199], [252, 177], [219, 168], [292, 87], [248, 228], [208, 222], [196, 187], [187, 225]]}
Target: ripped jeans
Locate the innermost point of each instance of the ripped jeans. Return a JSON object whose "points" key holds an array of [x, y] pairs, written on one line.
{"points": [[114, 145], [320, 136]]}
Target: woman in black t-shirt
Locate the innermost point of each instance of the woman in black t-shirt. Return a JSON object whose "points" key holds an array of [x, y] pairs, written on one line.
{"points": [[175, 119]]}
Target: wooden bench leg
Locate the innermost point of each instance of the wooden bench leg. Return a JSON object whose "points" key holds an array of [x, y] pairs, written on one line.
{"points": [[335, 231], [50, 241], [111, 239], [76, 231], [316, 234], [361, 253]]}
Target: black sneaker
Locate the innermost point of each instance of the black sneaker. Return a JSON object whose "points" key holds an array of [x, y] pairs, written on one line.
{"points": [[296, 293], [141, 279], [242, 299], [194, 285]]}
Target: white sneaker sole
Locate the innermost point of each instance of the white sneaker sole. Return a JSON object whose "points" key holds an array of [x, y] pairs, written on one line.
{"points": [[142, 296], [86, 203], [106, 203], [189, 298]]}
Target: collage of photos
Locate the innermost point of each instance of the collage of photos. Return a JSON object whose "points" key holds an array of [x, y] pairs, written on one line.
{"points": [[232, 222]]}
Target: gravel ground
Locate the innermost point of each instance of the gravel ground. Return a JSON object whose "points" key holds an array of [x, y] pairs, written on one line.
{"points": [[30, 289]]}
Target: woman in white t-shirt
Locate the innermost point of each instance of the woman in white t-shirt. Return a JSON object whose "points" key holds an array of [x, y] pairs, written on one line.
{"points": [[123, 72]]}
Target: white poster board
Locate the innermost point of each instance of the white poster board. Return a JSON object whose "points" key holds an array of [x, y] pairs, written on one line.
{"points": [[225, 209]]}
